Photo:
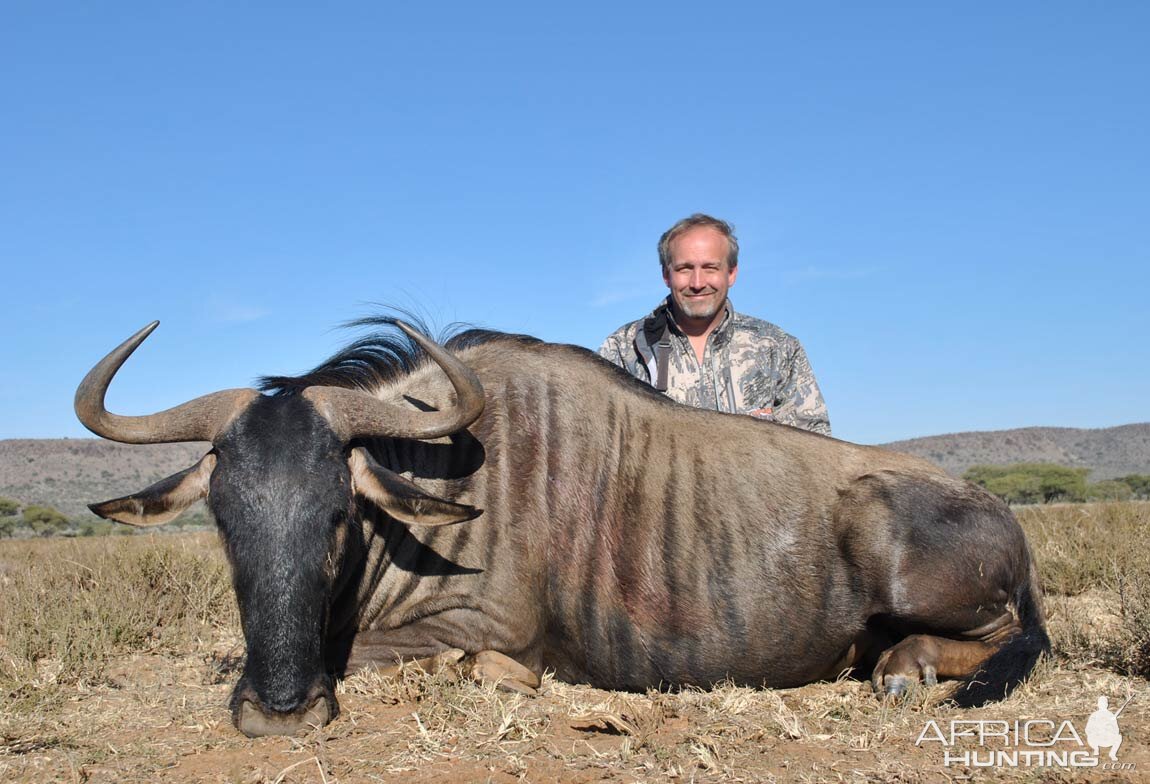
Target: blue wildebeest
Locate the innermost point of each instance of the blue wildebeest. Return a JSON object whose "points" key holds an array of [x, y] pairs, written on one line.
{"points": [[512, 505]]}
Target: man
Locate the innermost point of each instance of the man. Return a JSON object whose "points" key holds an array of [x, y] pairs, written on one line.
{"points": [[696, 349]]}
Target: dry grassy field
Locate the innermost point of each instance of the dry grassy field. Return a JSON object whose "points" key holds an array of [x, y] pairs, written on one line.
{"points": [[117, 656]]}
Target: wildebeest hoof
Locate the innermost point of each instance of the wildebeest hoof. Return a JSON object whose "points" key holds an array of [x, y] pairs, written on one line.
{"points": [[501, 671], [911, 661], [895, 685]]}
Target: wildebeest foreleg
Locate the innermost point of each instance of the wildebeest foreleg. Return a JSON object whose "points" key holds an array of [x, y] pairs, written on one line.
{"points": [[503, 672], [387, 652], [427, 663], [924, 658], [488, 667]]}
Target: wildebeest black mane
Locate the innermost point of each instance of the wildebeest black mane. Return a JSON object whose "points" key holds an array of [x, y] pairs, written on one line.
{"points": [[384, 355]]}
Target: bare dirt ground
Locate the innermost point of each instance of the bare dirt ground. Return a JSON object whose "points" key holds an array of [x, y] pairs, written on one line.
{"points": [[117, 668]]}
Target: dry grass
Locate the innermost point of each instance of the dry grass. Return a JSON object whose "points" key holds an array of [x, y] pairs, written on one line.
{"points": [[1094, 560], [69, 607], [118, 656]]}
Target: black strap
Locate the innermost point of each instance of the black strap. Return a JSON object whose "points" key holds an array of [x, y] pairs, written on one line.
{"points": [[657, 334]]}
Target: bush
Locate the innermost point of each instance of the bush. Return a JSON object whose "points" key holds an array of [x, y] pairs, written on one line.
{"points": [[1139, 484], [95, 528], [197, 519], [44, 520], [1109, 490], [8, 507]]}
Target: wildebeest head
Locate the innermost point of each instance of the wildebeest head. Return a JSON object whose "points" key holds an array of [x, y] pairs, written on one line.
{"points": [[282, 480]]}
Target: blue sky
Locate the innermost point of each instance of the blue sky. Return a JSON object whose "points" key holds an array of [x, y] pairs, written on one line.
{"points": [[949, 204]]}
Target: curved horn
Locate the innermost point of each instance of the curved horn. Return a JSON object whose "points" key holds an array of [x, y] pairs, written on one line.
{"points": [[356, 414], [201, 419]]}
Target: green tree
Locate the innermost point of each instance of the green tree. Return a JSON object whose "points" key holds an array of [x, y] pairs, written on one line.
{"points": [[8, 507], [7, 526], [1031, 483], [1018, 488], [44, 520], [1060, 483]]}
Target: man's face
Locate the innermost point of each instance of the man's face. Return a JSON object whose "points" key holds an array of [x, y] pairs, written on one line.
{"points": [[698, 276]]}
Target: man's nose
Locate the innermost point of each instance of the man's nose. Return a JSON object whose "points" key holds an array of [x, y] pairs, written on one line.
{"points": [[697, 279]]}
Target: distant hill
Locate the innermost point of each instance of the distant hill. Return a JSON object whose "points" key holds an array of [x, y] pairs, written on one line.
{"points": [[1109, 452], [71, 473]]}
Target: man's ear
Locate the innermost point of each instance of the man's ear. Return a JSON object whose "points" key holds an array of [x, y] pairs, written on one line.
{"points": [[400, 498], [164, 500]]}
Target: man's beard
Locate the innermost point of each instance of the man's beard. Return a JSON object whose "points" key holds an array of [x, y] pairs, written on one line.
{"points": [[700, 309]]}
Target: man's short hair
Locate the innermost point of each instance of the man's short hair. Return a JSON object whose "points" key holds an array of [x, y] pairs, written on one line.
{"points": [[694, 221]]}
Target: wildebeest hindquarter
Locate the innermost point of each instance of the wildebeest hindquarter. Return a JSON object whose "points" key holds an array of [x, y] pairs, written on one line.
{"points": [[952, 584]]}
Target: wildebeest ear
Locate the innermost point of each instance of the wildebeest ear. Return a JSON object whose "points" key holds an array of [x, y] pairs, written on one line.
{"points": [[400, 498], [164, 500]]}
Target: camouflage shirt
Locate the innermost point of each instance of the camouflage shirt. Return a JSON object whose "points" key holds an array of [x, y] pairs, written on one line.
{"points": [[749, 367]]}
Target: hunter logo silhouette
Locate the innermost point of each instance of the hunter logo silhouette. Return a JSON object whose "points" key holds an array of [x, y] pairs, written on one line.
{"points": [[1102, 728]]}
